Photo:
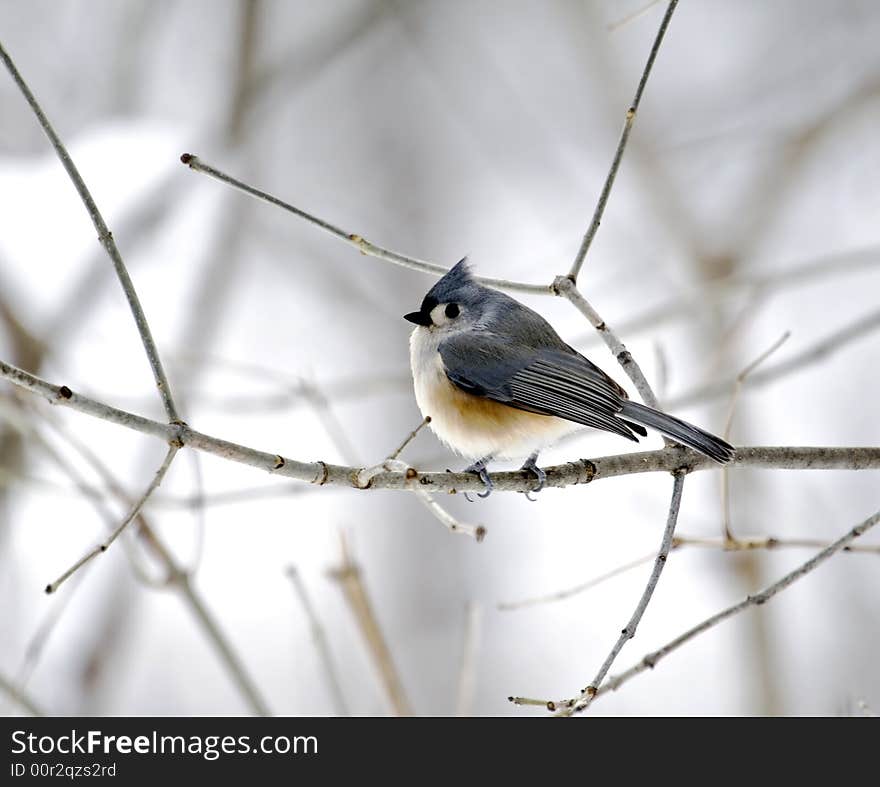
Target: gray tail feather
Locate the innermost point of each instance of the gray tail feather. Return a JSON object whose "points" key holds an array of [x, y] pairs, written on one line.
{"points": [[680, 431]]}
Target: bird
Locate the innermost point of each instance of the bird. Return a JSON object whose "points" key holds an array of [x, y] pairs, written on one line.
{"points": [[498, 382]]}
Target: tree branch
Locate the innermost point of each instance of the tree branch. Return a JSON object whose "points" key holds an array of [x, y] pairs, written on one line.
{"points": [[351, 238], [728, 424], [18, 696], [470, 648], [566, 288], [621, 146], [134, 512], [579, 471], [821, 349], [740, 544], [559, 595], [105, 237], [587, 695], [319, 638], [349, 577], [651, 659]]}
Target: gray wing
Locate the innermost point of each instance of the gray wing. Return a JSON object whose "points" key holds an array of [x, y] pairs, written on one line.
{"points": [[548, 381]]}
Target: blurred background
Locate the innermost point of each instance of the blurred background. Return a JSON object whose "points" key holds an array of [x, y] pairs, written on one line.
{"points": [[746, 206]]}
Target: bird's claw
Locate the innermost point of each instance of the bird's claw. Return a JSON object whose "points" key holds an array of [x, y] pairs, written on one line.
{"points": [[533, 468], [479, 469]]}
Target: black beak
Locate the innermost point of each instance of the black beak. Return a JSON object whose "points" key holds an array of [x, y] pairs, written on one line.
{"points": [[419, 318]]}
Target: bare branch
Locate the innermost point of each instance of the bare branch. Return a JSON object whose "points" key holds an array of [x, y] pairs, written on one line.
{"points": [[580, 471], [320, 640], [621, 146], [743, 375], [453, 525], [565, 287], [230, 496], [349, 577], [392, 464], [351, 238], [177, 578], [409, 438], [228, 655], [332, 425], [651, 659], [631, 17], [700, 299], [365, 477], [587, 695], [734, 399], [135, 510], [752, 543], [39, 639], [583, 701], [201, 518], [559, 595], [19, 697], [739, 544], [826, 346], [467, 675], [106, 238]]}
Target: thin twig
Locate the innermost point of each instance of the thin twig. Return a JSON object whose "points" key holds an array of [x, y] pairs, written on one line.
{"points": [[751, 543], [364, 479], [734, 399], [294, 392], [740, 544], [365, 476], [409, 438], [621, 146], [349, 577], [234, 664], [743, 375], [106, 238], [631, 17], [391, 464], [229, 497], [351, 238], [320, 640], [198, 509], [560, 595], [467, 674], [833, 342], [19, 697], [39, 639], [71, 469], [650, 660], [548, 705], [346, 389], [580, 471], [701, 299], [476, 532], [176, 578], [135, 510], [98, 500], [587, 695], [566, 288]]}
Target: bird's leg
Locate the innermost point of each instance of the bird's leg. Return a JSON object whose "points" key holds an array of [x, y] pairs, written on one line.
{"points": [[533, 468], [479, 468]]}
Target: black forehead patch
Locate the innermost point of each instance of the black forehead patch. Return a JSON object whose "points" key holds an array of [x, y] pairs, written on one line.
{"points": [[428, 304]]}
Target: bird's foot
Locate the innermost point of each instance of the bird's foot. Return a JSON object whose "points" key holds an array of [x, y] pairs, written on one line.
{"points": [[532, 467], [479, 469]]}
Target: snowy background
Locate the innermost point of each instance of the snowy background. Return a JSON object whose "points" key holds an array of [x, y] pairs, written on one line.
{"points": [[439, 129]]}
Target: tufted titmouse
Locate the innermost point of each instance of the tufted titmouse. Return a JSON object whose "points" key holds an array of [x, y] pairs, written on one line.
{"points": [[498, 382]]}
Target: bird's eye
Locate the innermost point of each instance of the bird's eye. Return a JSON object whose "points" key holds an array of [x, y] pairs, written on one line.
{"points": [[452, 310]]}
